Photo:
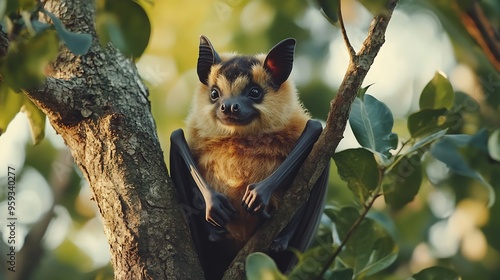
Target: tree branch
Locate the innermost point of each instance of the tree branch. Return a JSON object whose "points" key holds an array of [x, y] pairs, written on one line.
{"points": [[325, 146], [480, 28], [350, 49], [98, 104]]}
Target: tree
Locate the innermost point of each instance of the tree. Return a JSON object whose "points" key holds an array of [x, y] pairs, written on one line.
{"points": [[99, 105]]}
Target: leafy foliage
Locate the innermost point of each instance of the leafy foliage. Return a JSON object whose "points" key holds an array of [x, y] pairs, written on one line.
{"points": [[365, 246], [126, 25], [35, 44], [369, 249]]}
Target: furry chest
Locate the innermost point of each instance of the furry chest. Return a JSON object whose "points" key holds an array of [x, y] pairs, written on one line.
{"points": [[230, 167]]}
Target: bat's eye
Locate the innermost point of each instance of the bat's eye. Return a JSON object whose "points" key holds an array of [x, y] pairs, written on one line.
{"points": [[214, 94], [255, 93]]}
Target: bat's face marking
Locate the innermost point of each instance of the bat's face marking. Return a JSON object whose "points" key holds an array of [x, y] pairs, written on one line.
{"points": [[240, 66], [244, 94], [234, 92]]}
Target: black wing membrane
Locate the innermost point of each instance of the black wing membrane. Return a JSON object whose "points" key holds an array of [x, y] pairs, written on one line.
{"points": [[304, 223], [214, 255]]}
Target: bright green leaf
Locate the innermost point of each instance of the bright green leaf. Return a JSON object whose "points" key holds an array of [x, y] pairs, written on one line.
{"points": [[77, 43], [371, 122], [312, 261], [126, 25], [438, 93], [403, 181], [426, 121], [359, 169], [260, 266], [10, 103], [436, 273], [374, 6], [37, 120], [329, 9], [446, 151], [494, 145]]}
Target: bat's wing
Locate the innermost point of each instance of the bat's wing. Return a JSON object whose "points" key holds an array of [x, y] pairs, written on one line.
{"points": [[183, 173], [304, 223], [189, 196]]}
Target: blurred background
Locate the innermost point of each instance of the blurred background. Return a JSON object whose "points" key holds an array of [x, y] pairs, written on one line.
{"points": [[448, 222]]}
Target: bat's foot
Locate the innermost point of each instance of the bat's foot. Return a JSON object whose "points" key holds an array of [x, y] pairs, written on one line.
{"points": [[280, 244]]}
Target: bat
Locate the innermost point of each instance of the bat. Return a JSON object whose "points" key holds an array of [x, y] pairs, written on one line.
{"points": [[247, 136]]}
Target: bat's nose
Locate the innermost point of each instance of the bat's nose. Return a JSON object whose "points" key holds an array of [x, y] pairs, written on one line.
{"points": [[229, 107]]}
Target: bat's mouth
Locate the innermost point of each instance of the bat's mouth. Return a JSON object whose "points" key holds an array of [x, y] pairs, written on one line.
{"points": [[232, 120]]}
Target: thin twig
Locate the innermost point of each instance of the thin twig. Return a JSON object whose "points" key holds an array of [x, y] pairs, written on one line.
{"points": [[348, 235], [350, 49]]}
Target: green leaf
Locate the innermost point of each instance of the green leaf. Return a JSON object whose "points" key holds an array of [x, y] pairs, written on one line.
{"points": [[436, 273], [24, 64], [126, 25], [370, 248], [329, 9], [312, 261], [371, 122], [341, 274], [438, 93], [426, 121], [403, 181], [374, 6], [446, 151], [359, 169], [10, 103], [494, 145], [37, 120], [261, 266], [362, 91], [77, 43], [426, 141]]}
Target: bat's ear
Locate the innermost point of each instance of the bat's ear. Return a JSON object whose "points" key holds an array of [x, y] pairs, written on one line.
{"points": [[279, 61], [206, 58]]}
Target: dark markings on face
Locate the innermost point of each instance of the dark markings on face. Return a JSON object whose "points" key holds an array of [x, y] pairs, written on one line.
{"points": [[238, 66]]}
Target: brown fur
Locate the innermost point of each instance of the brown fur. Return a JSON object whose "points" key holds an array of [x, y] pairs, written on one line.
{"points": [[232, 157]]}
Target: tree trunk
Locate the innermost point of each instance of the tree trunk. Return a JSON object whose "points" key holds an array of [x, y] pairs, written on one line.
{"points": [[99, 105]]}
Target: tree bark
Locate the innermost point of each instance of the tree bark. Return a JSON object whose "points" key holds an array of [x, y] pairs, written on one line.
{"points": [[99, 105]]}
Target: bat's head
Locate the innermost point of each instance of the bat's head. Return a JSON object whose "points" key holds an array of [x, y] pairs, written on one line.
{"points": [[244, 94]]}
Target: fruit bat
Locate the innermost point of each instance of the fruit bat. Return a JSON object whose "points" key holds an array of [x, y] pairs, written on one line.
{"points": [[247, 136]]}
